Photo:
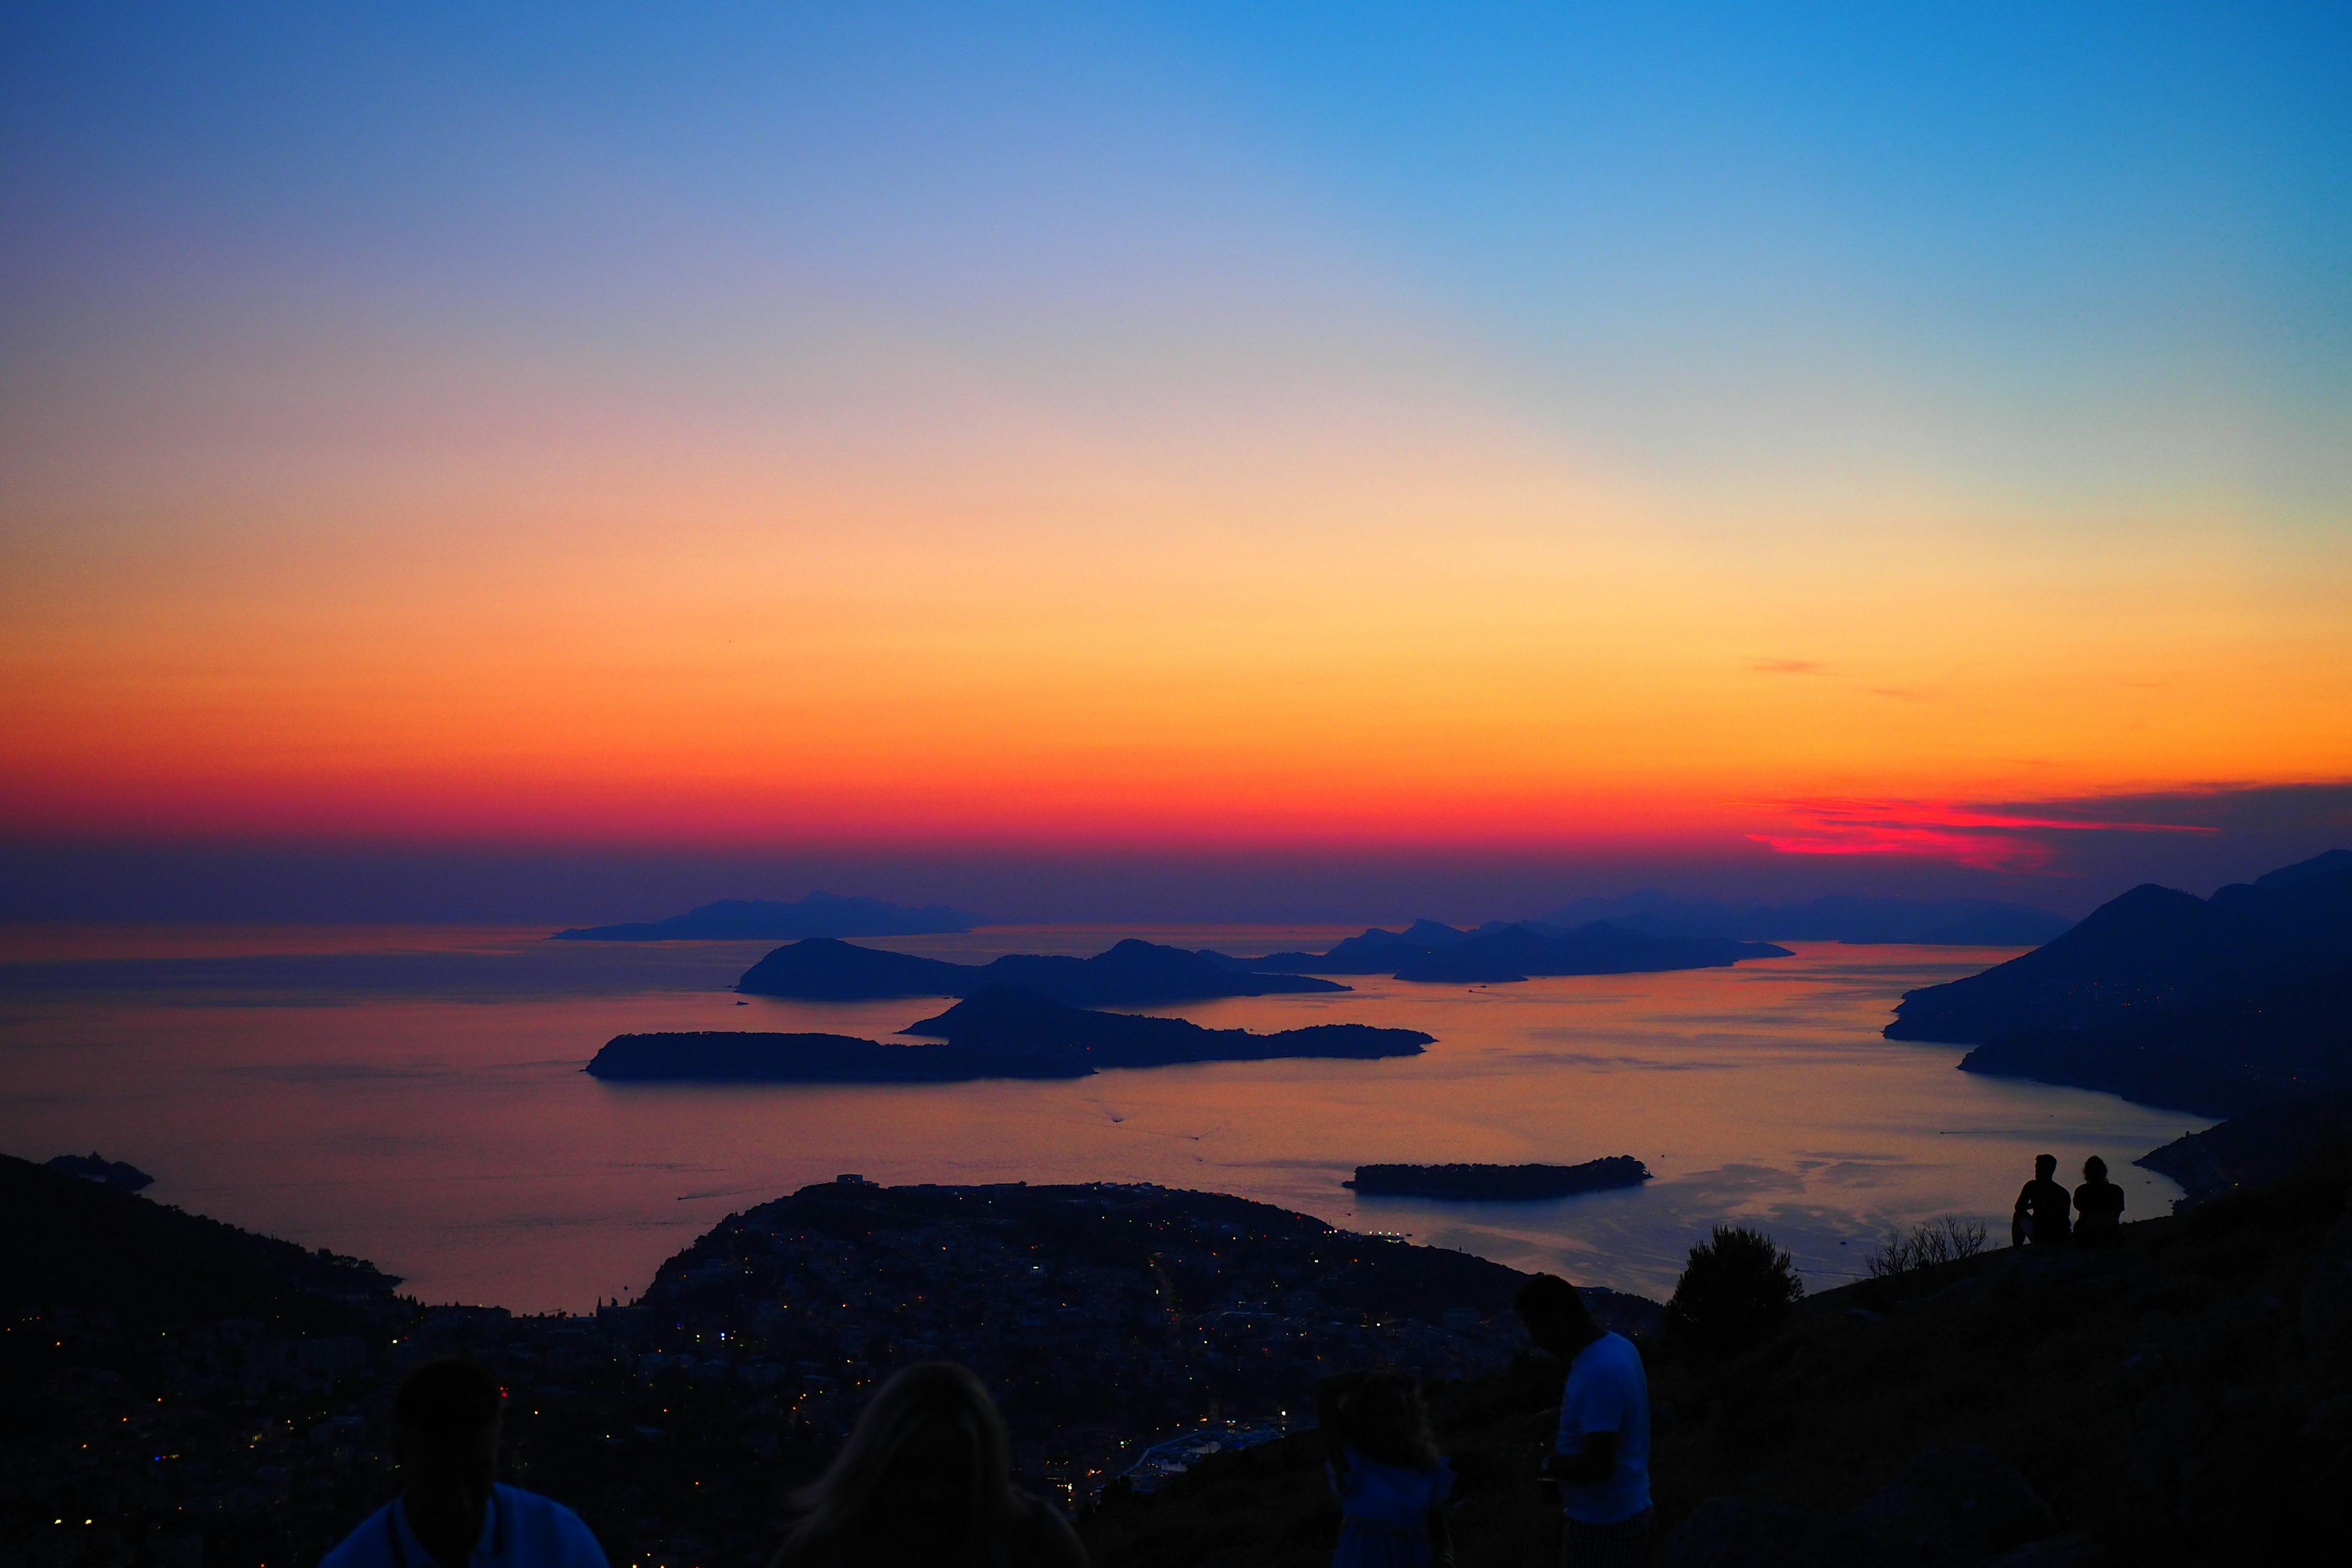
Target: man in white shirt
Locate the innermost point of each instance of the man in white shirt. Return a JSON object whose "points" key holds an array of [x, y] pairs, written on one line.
{"points": [[1601, 1456], [451, 1511]]}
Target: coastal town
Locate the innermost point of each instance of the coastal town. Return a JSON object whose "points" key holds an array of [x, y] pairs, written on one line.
{"points": [[1126, 1331]]}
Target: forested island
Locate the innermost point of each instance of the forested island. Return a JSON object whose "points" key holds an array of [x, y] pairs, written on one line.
{"points": [[1002, 1033], [1498, 1183], [1502, 954], [1130, 973]]}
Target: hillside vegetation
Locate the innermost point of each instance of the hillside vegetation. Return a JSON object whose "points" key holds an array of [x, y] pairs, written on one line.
{"points": [[2185, 1398]]}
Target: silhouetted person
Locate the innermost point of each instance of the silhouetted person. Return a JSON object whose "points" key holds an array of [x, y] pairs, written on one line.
{"points": [[926, 1478], [2098, 1207], [1602, 1456], [2041, 1208], [451, 1508], [1386, 1471]]}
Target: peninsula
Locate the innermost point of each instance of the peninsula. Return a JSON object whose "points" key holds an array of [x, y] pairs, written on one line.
{"points": [[2218, 1006], [2152, 950], [1499, 1183], [1131, 973]]}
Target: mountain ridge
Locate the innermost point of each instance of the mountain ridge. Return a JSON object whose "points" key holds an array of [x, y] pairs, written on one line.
{"points": [[1129, 972], [819, 914]]}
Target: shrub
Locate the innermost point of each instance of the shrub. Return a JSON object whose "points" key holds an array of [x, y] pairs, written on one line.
{"points": [[1927, 1244], [1737, 1288]]}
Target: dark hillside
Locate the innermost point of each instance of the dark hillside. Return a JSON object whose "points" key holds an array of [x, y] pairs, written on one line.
{"points": [[2187, 1398], [2152, 950], [2312, 898], [64, 1241], [2258, 1150], [2148, 950], [2224, 1057]]}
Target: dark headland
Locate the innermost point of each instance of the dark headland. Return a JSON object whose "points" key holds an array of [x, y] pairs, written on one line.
{"points": [[1501, 1183], [1131, 973], [766, 920], [1001, 1033], [2217, 1005]]}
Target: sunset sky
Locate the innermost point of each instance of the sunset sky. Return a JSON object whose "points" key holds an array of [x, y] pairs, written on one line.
{"points": [[1625, 436]]}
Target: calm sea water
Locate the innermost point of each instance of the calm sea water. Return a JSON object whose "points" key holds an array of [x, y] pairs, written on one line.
{"points": [[415, 1095]]}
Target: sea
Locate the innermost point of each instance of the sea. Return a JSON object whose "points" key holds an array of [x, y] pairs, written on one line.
{"points": [[415, 1095]]}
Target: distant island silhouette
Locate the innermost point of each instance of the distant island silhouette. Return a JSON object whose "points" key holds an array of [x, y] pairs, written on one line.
{"points": [[761, 920], [1007, 1018], [1499, 954], [1002, 1032], [1131, 973], [715, 1056], [1498, 1183], [1837, 917], [2215, 1004], [96, 1167]]}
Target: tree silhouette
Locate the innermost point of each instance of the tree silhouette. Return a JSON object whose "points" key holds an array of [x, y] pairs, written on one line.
{"points": [[1737, 1287]]}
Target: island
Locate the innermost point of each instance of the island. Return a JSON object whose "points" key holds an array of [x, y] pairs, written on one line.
{"points": [[1499, 1183], [1502, 954], [1130, 973], [767, 919], [719, 1056], [1005, 1018], [1833, 917], [96, 1167], [1002, 1033]]}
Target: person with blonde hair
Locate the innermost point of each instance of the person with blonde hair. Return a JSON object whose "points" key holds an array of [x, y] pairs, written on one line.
{"points": [[927, 1478]]}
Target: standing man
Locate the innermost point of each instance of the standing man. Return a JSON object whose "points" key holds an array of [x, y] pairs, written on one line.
{"points": [[2042, 1207], [1601, 1456], [452, 1510]]}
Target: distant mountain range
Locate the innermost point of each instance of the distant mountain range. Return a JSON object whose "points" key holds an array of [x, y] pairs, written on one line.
{"points": [[1500, 954], [1836, 918], [2215, 1004], [1130, 973], [1002, 1032], [761, 920]]}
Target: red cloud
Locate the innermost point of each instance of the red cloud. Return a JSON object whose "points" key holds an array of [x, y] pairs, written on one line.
{"points": [[1988, 839]]}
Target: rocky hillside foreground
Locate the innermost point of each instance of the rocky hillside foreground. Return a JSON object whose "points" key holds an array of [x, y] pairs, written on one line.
{"points": [[2184, 1399]]}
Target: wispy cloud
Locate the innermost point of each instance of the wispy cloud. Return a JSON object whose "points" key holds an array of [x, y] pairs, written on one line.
{"points": [[1987, 838]]}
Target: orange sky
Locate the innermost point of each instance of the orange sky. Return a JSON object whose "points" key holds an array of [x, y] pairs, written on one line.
{"points": [[1130, 463], [1399, 635]]}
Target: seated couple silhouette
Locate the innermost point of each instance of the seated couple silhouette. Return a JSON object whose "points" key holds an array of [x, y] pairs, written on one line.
{"points": [[2042, 1214]]}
